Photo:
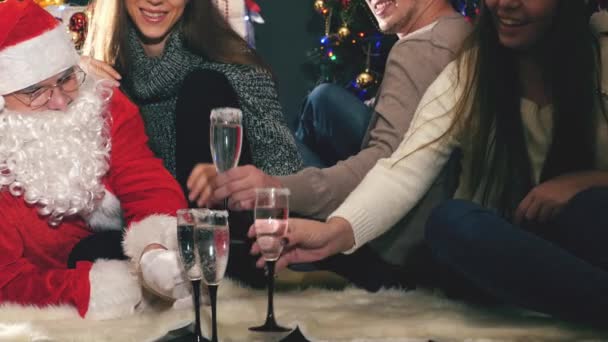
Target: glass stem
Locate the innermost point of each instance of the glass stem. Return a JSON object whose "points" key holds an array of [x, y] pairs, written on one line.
{"points": [[213, 298], [270, 310], [196, 290]]}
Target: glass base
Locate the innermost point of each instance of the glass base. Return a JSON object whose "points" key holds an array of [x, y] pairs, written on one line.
{"points": [[270, 327]]}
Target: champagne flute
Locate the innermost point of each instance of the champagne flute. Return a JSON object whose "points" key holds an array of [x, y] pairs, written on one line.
{"points": [[212, 238], [226, 140], [226, 135], [203, 243], [271, 216], [191, 264]]}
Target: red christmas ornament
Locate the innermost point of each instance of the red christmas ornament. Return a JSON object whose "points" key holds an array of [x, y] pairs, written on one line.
{"points": [[78, 21], [78, 28], [345, 3]]}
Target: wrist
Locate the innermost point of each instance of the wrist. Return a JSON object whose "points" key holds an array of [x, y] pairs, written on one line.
{"points": [[343, 232], [151, 247]]}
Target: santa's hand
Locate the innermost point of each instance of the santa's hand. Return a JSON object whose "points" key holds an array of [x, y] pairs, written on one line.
{"points": [[115, 291], [162, 273]]}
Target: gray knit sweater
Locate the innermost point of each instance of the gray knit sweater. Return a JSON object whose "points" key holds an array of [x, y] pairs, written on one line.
{"points": [[153, 83]]}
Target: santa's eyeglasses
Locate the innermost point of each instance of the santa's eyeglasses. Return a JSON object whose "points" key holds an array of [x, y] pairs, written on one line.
{"points": [[38, 96]]}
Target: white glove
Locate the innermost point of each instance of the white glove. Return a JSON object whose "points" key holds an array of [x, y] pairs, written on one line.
{"points": [[115, 291], [162, 273]]}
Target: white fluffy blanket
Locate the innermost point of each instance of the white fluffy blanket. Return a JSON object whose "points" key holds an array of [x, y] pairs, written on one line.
{"points": [[322, 315]]}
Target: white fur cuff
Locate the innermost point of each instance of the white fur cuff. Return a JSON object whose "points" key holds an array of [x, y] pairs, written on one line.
{"points": [[160, 229], [115, 291], [108, 216], [36, 59]]}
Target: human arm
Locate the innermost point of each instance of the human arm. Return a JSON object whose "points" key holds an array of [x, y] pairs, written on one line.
{"points": [[316, 192], [411, 67], [148, 194], [100, 290], [396, 184], [390, 189]]}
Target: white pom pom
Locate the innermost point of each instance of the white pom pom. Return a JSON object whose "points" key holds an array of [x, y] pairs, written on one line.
{"points": [[1, 103]]}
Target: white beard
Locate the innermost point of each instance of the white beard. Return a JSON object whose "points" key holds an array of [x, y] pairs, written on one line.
{"points": [[55, 159]]}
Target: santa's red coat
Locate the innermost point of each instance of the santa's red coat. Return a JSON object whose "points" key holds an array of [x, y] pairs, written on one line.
{"points": [[33, 255]]}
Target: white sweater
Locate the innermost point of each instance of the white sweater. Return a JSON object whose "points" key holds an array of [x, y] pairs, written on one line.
{"points": [[396, 184]]}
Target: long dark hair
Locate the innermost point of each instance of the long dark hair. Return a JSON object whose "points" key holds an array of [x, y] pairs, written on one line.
{"points": [[204, 29], [490, 106]]}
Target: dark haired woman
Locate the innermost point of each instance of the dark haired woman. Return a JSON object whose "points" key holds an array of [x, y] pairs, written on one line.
{"points": [[524, 102]]}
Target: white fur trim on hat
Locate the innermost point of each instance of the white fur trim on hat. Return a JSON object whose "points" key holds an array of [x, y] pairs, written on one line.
{"points": [[1, 103], [115, 291], [160, 229], [108, 216], [36, 59]]}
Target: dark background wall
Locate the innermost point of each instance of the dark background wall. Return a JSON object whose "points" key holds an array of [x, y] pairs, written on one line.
{"points": [[292, 28]]}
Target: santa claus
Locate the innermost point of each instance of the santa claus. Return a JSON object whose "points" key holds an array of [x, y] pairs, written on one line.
{"points": [[73, 156]]}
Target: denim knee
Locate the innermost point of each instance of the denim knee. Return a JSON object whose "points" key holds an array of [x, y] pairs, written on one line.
{"points": [[452, 224], [324, 94], [314, 112]]}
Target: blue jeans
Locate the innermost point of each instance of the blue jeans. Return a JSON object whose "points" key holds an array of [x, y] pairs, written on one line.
{"points": [[332, 125], [559, 269]]}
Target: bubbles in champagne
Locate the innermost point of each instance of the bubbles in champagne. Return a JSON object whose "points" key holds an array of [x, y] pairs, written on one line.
{"points": [[213, 245], [226, 141], [187, 251]]}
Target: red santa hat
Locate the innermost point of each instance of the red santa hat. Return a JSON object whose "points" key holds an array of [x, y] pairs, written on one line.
{"points": [[33, 46]]}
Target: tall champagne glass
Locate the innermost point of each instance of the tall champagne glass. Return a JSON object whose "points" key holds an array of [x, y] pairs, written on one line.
{"points": [[203, 243], [190, 259], [226, 140], [271, 216], [226, 137]]}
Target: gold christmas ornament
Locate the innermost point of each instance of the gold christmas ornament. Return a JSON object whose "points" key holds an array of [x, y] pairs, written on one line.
{"points": [[320, 6], [343, 32], [75, 37], [365, 79], [44, 3]]}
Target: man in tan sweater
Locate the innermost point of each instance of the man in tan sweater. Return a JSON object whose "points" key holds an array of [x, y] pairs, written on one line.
{"points": [[430, 34]]}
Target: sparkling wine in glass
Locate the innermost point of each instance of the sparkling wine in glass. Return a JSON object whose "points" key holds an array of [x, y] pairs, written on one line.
{"points": [[226, 134], [191, 263], [212, 243], [271, 216], [203, 243]]}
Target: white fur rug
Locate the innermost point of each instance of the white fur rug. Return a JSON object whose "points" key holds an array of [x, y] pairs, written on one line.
{"points": [[322, 315]]}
